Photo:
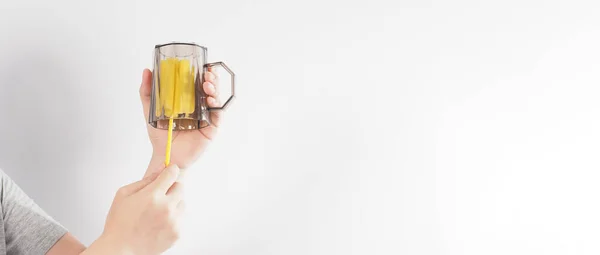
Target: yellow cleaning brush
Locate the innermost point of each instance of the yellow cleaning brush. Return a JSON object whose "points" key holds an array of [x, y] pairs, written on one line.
{"points": [[169, 142], [177, 94]]}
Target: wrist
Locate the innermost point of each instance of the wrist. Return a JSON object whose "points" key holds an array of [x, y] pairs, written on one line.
{"points": [[108, 245], [156, 164]]}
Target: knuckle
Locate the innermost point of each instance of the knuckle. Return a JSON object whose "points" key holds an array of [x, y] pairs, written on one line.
{"points": [[171, 216], [169, 173], [175, 232], [121, 192], [155, 200], [168, 215]]}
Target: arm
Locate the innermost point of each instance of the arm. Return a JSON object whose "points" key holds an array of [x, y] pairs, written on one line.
{"points": [[27, 228], [67, 245], [186, 149], [136, 223]]}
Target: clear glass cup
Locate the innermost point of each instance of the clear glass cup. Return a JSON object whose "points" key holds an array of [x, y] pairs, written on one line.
{"points": [[177, 92]]}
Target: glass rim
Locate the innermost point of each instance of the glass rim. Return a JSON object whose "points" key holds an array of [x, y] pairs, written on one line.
{"points": [[179, 43]]}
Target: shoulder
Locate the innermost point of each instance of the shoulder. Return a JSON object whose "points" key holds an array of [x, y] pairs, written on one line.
{"points": [[3, 179], [3, 176], [7, 186]]}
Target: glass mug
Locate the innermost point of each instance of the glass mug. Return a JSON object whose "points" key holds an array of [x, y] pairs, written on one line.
{"points": [[177, 90]]}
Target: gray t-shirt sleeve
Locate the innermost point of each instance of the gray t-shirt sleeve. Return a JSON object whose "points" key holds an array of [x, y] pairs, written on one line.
{"points": [[28, 229]]}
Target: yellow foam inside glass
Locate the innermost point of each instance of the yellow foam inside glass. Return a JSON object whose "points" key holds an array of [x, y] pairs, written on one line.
{"points": [[177, 94]]}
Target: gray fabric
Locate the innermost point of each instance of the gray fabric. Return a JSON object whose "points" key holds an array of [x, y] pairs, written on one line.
{"points": [[25, 228]]}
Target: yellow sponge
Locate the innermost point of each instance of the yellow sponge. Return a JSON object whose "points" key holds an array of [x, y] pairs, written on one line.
{"points": [[177, 92]]}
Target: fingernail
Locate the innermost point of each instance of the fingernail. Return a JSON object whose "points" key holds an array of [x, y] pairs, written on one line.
{"points": [[180, 177], [212, 88], [175, 170]]}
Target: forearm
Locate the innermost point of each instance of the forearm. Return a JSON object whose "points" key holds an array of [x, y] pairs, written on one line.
{"points": [[67, 245], [106, 245]]}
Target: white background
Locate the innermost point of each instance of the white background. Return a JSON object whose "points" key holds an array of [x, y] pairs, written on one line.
{"points": [[360, 127]]}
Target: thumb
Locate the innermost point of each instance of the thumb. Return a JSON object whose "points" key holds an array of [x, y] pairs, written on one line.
{"points": [[136, 186], [146, 91], [165, 180]]}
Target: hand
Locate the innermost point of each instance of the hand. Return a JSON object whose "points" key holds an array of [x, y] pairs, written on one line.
{"points": [[187, 146], [143, 218]]}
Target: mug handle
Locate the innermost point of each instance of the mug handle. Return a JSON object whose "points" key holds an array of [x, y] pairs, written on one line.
{"points": [[221, 64]]}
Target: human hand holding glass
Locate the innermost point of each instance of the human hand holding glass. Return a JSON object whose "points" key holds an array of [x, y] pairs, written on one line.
{"points": [[186, 91]]}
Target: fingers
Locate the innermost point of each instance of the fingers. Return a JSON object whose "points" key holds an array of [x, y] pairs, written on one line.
{"points": [[215, 116], [146, 91], [151, 177], [180, 208], [211, 75], [211, 88], [211, 83], [165, 180], [175, 193], [181, 205], [213, 102], [181, 177], [136, 186]]}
